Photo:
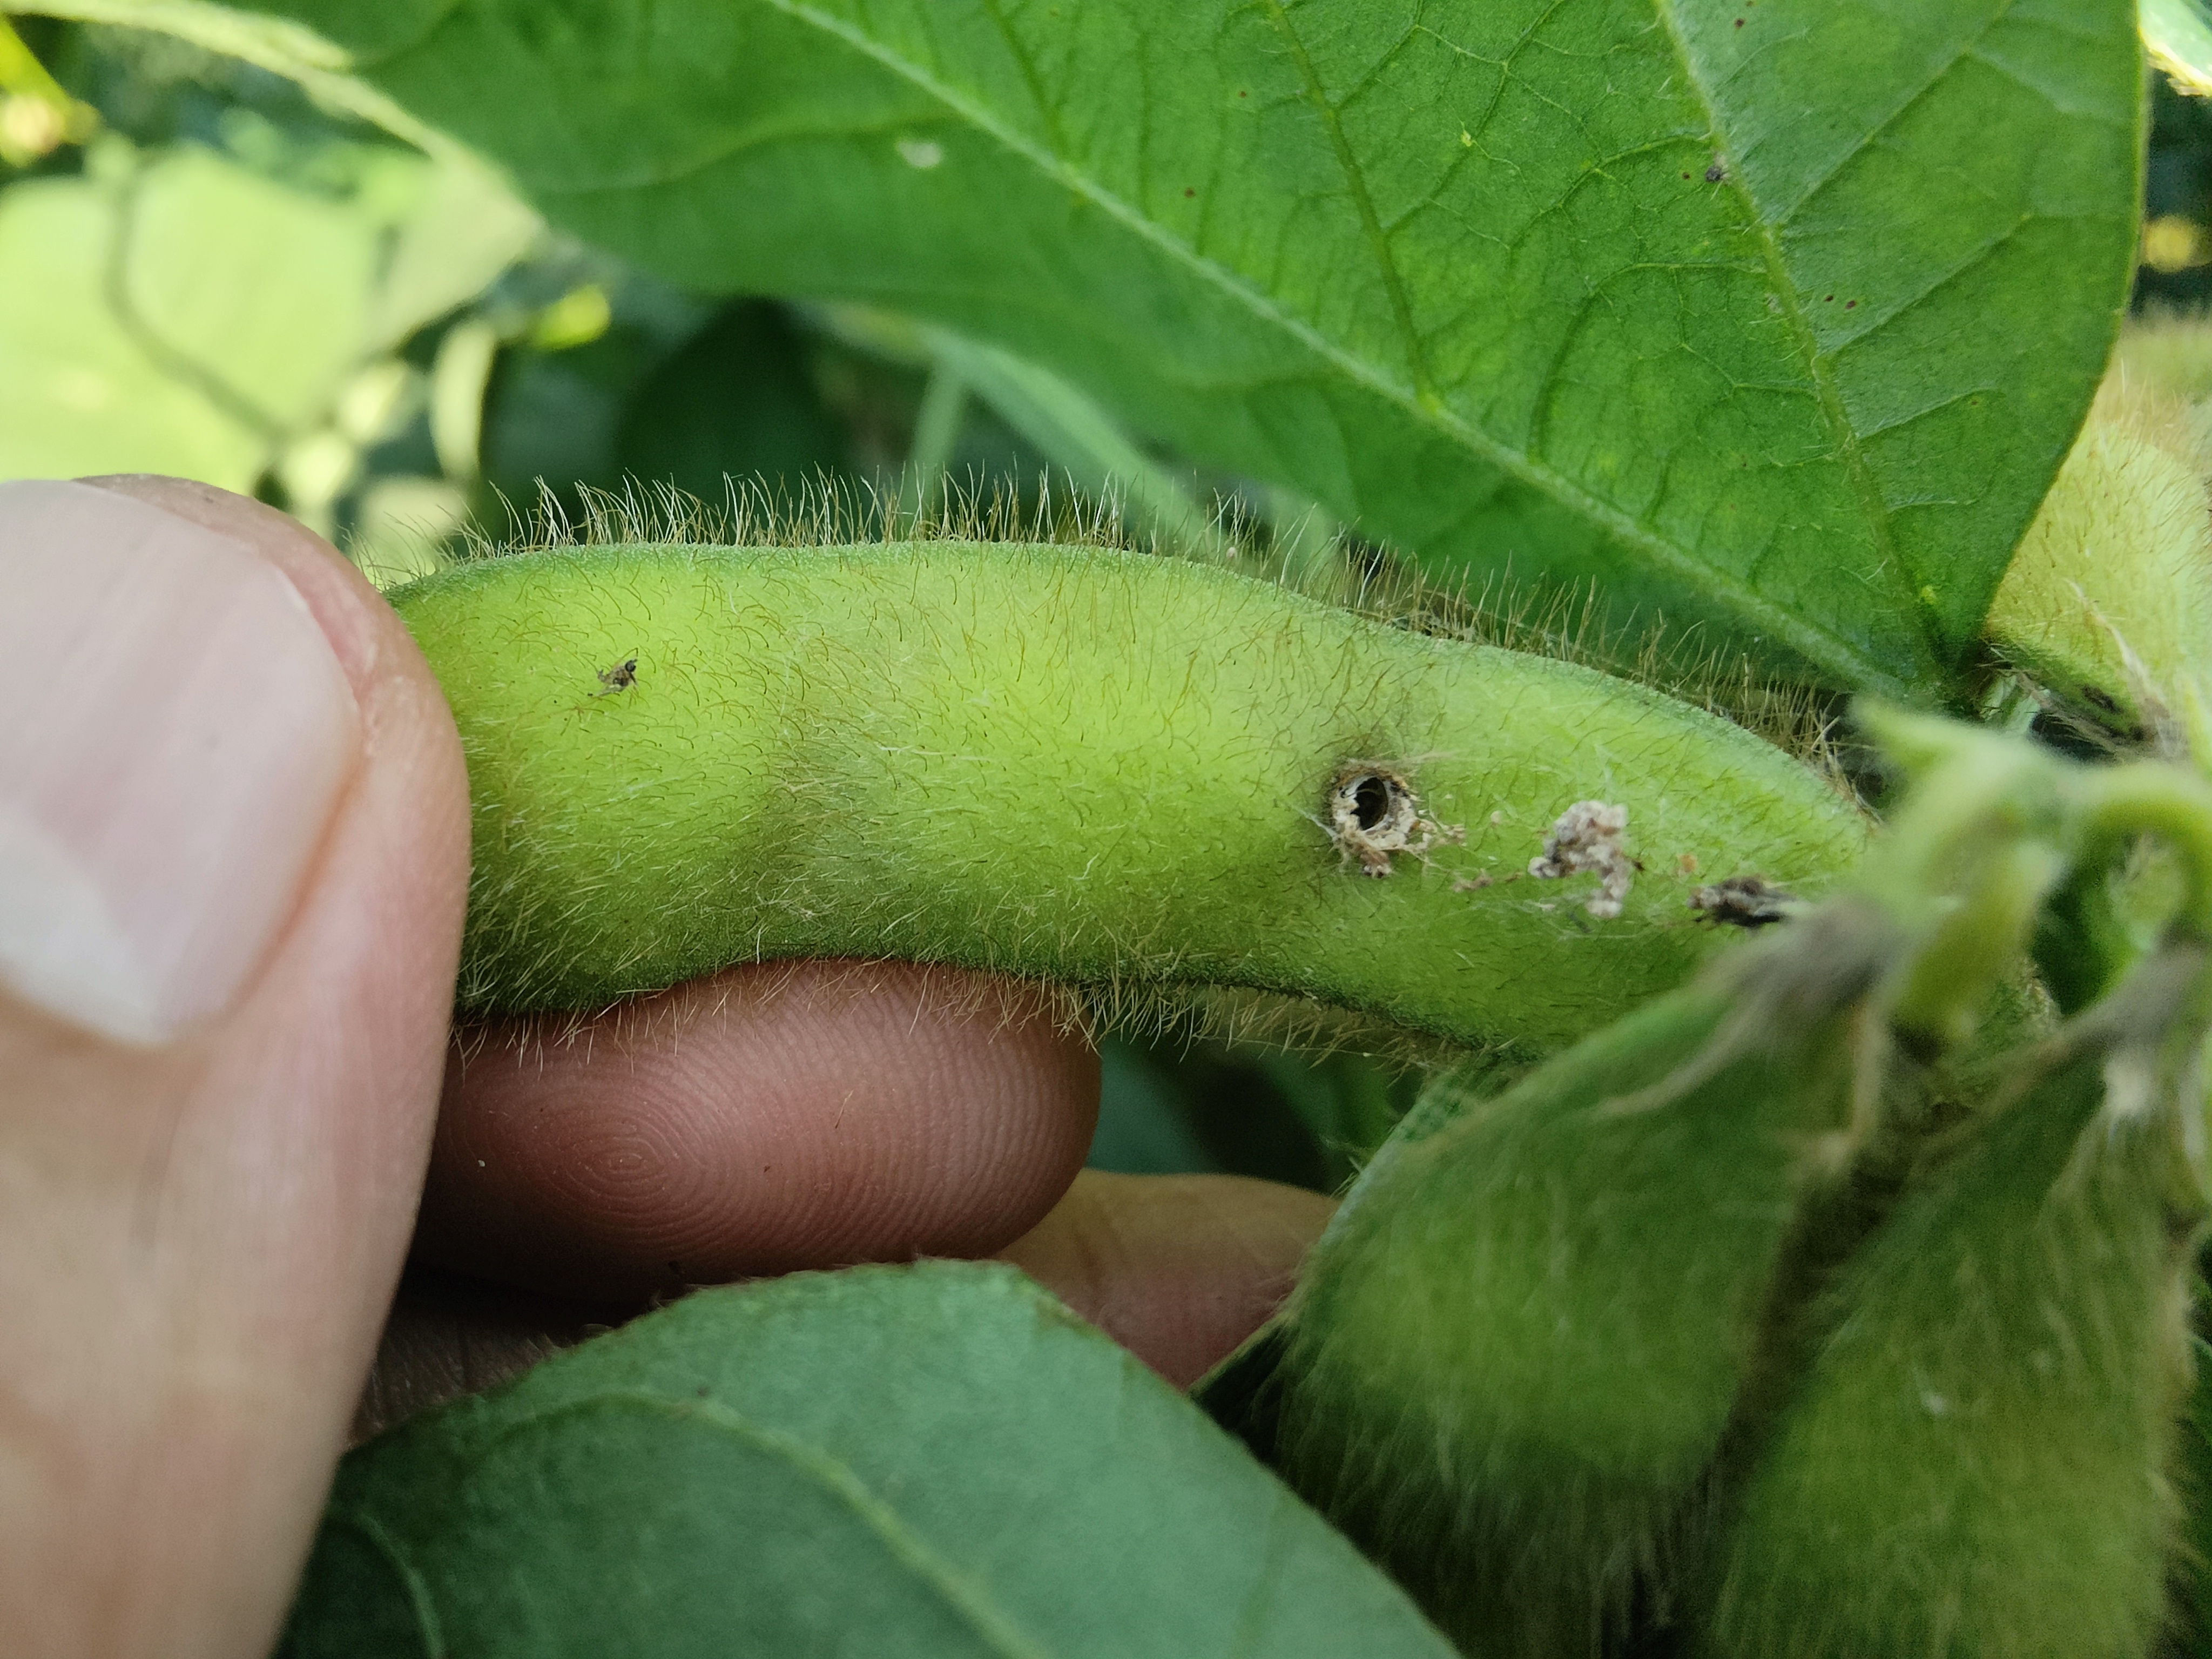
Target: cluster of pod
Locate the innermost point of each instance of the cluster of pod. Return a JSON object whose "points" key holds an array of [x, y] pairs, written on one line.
{"points": [[1834, 1304]]}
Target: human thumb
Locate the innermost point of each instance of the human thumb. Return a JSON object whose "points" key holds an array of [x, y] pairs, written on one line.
{"points": [[234, 851]]}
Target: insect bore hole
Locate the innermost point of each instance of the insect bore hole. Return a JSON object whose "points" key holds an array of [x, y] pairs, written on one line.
{"points": [[1371, 802], [1373, 812]]}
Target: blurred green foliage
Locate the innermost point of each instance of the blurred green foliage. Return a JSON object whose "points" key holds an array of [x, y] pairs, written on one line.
{"points": [[2177, 193]]}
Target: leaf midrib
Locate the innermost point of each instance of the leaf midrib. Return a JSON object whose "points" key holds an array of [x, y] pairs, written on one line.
{"points": [[1363, 200], [838, 1480], [1902, 583], [1819, 646]]}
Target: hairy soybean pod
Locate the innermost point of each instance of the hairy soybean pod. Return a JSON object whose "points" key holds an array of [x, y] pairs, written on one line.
{"points": [[1975, 1462], [1096, 767], [2190, 1635], [1515, 1354]]}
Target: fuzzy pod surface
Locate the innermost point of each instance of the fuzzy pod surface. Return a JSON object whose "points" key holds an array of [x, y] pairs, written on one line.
{"points": [[1513, 1356], [1066, 762], [2111, 586], [1976, 1460], [2190, 1633]]}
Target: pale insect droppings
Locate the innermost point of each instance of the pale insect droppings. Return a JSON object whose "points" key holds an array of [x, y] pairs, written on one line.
{"points": [[1586, 839]]}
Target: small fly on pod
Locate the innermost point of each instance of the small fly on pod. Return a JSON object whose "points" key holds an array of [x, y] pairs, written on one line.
{"points": [[1975, 1461]]}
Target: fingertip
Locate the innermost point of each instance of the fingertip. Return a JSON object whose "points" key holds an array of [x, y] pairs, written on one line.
{"points": [[1178, 1269], [775, 1117], [361, 630], [220, 1067]]}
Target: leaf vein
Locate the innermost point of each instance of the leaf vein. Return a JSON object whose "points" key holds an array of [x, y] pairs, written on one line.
{"points": [[837, 1479], [1981, 255], [1363, 202], [1785, 287], [1784, 214]]}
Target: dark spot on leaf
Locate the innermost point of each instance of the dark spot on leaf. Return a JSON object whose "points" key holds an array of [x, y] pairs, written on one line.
{"points": [[1715, 174], [1243, 94], [1851, 305], [1738, 23], [1686, 175], [1189, 189]]}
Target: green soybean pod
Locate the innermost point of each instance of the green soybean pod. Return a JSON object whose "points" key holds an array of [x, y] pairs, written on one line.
{"points": [[2190, 1633], [1976, 1462], [1514, 1357], [1066, 762]]}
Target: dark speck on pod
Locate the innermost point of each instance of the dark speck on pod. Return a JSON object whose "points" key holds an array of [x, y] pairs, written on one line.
{"points": [[1747, 902]]}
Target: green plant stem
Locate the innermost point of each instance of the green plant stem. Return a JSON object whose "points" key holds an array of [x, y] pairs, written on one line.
{"points": [[2149, 798], [937, 431]]}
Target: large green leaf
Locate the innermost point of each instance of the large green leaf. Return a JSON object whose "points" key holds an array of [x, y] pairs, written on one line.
{"points": [[1780, 313], [914, 1461]]}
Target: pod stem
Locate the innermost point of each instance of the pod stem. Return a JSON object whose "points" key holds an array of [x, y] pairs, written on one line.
{"points": [[2113, 806], [1967, 864], [1974, 941], [1993, 828]]}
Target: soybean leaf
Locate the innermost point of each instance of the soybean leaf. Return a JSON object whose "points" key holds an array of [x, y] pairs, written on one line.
{"points": [[2179, 35], [179, 312], [121, 301], [83, 395], [928, 1460], [1778, 313]]}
